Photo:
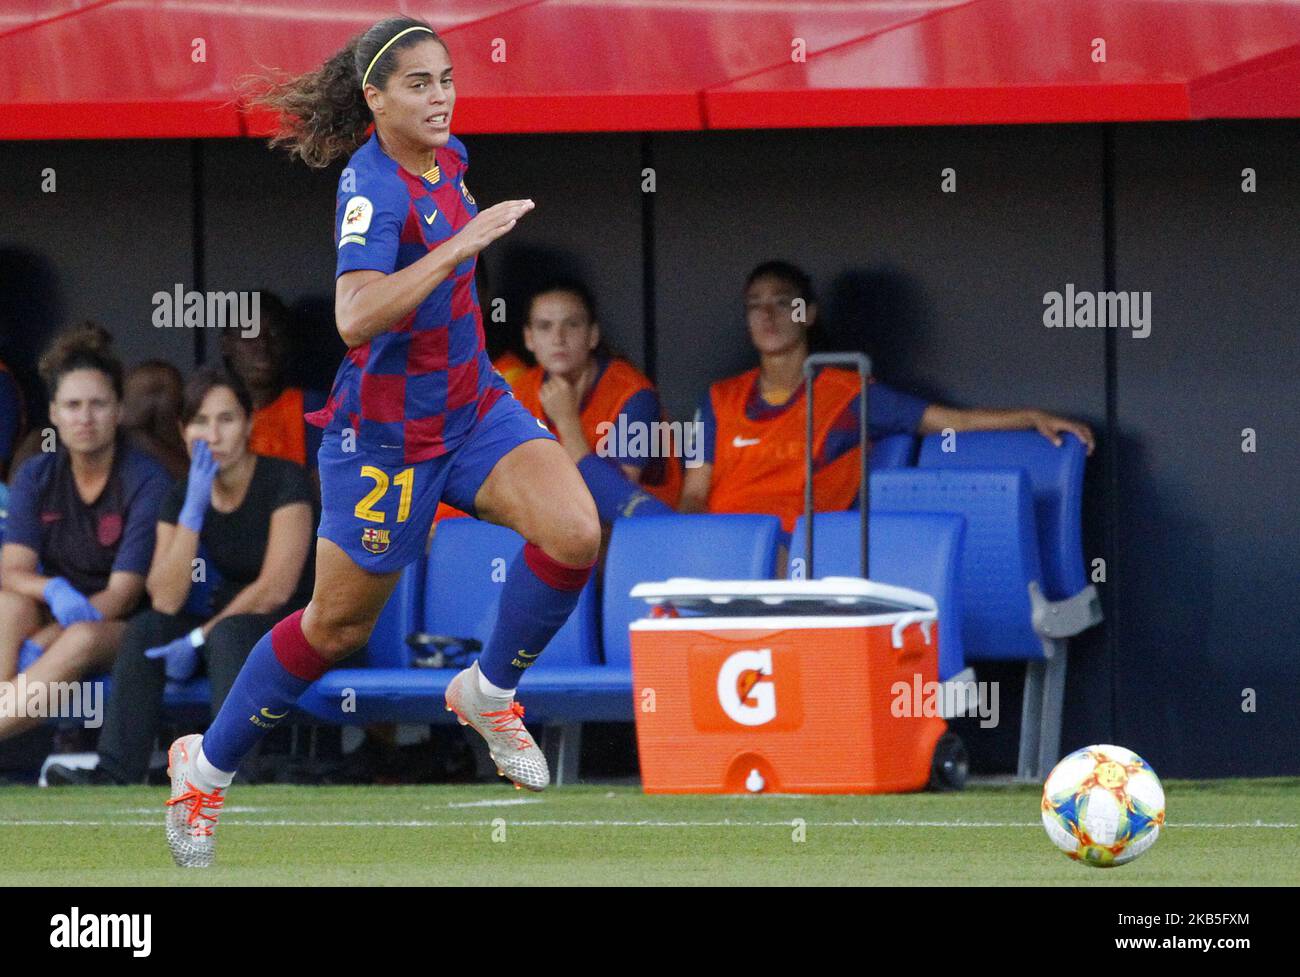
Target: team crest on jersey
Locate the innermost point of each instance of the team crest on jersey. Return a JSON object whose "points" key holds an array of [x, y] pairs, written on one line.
{"points": [[356, 215], [374, 540], [465, 190]]}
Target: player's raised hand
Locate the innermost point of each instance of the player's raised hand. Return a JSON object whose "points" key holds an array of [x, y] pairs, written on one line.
{"points": [[560, 399], [488, 225]]}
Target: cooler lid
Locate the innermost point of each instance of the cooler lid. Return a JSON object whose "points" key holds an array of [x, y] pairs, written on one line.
{"points": [[827, 595]]}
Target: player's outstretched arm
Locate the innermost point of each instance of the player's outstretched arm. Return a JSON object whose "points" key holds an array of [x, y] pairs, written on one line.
{"points": [[938, 417], [367, 302]]}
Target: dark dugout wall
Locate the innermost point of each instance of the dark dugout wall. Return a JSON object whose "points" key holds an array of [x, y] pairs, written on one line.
{"points": [[1196, 666]]}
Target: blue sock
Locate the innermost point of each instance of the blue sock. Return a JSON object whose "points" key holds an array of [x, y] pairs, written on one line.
{"points": [[278, 670], [616, 496], [538, 597]]}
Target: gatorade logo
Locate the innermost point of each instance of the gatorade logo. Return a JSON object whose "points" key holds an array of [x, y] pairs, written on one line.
{"points": [[750, 688], [742, 691]]}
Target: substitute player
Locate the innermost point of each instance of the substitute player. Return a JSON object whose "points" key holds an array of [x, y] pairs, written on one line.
{"points": [[586, 395], [416, 414], [754, 426]]}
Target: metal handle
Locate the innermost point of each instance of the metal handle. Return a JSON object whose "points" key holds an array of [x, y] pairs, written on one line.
{"points": [[863, 364]]}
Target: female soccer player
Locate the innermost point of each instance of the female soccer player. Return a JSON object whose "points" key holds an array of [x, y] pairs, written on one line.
{"points": [[754, 425], [416, 414]]}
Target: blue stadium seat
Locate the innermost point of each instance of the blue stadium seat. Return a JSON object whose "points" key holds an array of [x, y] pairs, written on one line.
{"points": [[1008, 614], [1056, 479], [189, 699], [999, 556], [467, 568], [721, 547], [457, 597], [918, 550], [193, 696], [402, 615], [895, 451]]}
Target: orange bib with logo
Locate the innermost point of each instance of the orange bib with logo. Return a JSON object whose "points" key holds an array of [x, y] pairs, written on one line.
{"points": [[661, 477], [758, 466]]}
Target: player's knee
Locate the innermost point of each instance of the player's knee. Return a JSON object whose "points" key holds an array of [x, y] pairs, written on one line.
{"points": [[574, 536], [332, 637], [18, 607], [76, 645], [343, 639]]}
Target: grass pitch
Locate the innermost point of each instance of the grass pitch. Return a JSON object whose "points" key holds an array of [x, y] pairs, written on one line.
{"points": [[1219, 833]]}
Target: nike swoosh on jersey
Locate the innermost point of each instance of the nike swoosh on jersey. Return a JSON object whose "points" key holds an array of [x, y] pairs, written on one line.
{"points": [[431, 218], [739, 442]]}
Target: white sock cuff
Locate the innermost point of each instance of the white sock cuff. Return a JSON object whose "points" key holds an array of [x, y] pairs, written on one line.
{"points": [[211, 776], [495, 691]]}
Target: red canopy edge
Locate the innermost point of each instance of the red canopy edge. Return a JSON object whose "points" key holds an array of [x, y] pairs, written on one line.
{"points": [[587, 66]]}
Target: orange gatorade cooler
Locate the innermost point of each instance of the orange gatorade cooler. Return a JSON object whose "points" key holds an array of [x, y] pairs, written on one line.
{"points": [[793, 686]]}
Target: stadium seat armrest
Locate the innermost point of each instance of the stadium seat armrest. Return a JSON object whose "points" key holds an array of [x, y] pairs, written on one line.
{"points": [[1064, 618]]}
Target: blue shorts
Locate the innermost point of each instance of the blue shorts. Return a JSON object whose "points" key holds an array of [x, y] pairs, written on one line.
{"points": [[380, 514]]}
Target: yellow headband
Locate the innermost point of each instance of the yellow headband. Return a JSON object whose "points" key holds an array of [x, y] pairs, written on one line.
{"points": [[380, 53]]}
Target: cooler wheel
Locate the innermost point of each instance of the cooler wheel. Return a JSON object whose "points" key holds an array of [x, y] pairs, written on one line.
{"points": [[950, 766]]}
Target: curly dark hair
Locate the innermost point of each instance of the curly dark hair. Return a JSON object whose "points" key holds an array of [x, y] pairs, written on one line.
{"points": [[85, 347], [323, 113]]}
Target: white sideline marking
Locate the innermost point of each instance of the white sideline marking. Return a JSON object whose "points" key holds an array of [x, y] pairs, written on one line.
{"points": [[615, 824], [510, 802]]}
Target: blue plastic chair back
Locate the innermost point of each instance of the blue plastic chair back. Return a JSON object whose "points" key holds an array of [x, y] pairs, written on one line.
{"points": [[895, 451], [919, 550], [401, 616], [999, 555], [1056, 479], [712, 547], [468, 562]]}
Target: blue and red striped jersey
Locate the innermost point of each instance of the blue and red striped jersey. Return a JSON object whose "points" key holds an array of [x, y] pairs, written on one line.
{"points": [[413, 392]]}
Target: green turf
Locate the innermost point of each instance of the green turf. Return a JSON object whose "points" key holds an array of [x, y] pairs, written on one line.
{"points": [[598, 835]]}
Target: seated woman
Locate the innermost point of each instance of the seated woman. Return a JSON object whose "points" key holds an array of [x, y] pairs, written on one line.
{"points": [[753, 425], [587, 397], [80, 528], [254, 517], [150, 411]]}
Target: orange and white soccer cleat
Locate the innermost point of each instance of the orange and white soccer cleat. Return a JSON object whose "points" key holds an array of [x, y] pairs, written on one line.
{"points": [[191, 812], [501, 723]]}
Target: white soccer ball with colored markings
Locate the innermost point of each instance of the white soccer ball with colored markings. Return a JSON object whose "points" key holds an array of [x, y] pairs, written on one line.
{"points": [[1103, 805]]}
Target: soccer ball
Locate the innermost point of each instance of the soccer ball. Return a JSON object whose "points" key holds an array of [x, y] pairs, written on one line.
{"points": [[1103, 806]]}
